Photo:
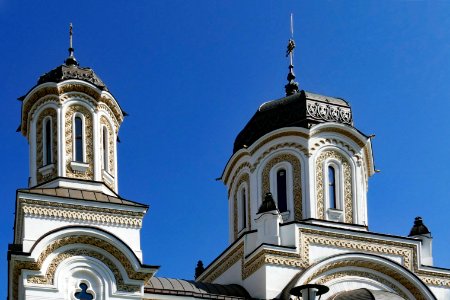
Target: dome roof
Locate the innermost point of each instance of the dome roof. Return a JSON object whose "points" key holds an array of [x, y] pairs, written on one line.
{"points": [[302, 109], [366, 294], [72, 71]]}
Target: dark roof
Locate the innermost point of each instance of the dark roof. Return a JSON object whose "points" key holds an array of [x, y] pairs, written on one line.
{"points": [[82, 195], [418, 228], [268, 204], [302, 109], [366, 294], [72, 71], [170, 286]]}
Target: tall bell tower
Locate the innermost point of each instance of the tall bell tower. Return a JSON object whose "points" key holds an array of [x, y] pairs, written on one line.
{"points": [[74, 236], [71, 122]]}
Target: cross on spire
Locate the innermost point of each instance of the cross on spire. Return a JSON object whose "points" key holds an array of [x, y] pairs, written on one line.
{"points": [[71, 60], [291, 87]]}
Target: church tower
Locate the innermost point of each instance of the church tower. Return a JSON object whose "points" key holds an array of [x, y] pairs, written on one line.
{"points": [[297, 184], [74, 236]]}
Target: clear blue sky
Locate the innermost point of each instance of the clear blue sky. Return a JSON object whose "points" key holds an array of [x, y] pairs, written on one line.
{"points": [[192, 73]]}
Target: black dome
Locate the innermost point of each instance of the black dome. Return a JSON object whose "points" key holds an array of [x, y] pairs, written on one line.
{"points": [[302, 109]]}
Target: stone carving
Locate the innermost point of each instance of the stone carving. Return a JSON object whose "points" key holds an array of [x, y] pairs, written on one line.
{"points": [[48, 278], [341, 274], [18, 266], [297, 182], [88, 140], [77, 212], [347, 185], [37, 95], [48, 112], [327, 112]]}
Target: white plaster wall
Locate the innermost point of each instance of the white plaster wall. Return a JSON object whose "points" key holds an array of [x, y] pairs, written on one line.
{"points": [[440, 292], [232, 275], [255, 284], [277, 277]]}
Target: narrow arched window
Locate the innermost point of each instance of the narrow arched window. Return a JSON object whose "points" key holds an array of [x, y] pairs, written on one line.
{"points": [[105, 148], [281, 190], [78, 139], [243, 208], [332, 187], [47, 142]]}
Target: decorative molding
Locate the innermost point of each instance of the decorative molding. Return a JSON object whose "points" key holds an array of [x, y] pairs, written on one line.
{"points": [[296, 180], [49, 276], [18, 266], [341, 274], [224, 264], [341, 132], [329, 112], [356, 243], [334, 142], [400, 278], [241, 167], [45, 209], [37, 95], [270, 257], [88, 140], [297, 146], [347, 185], [244, 178], [234, 161], [48, 112]]}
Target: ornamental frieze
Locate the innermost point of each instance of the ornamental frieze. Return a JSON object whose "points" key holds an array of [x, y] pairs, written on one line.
{"points": [[48, 112], [329, 112], [244, 178]]}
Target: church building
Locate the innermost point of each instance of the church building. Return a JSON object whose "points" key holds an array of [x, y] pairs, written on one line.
{"points": [[297, 183]]}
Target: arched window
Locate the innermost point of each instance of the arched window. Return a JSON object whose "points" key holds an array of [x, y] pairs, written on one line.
{"points": [[242, 209], [105, 148], [281, 190], [47, 154], [332, 201], [78, 139]]}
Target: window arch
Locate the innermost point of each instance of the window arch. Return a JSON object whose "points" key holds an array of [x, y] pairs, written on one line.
{"points": [[242, 208], [332, 197], [78, 138], [47, 153], [333, 181], [281, 182], [105, 149]]}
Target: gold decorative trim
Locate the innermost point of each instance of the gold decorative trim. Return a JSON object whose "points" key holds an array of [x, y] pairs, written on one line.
{"points": [[49, 276], [78, 212], [233, 161], [401, 279], [359, 244], [296, 180], [244, 178], [48, 112], [77, 90], [241, 167], [341, 132], [347, 185], [270, 257], [18, 266], [88, 140], [224, 264], [26, 107], [341, 274], [334, 142]]}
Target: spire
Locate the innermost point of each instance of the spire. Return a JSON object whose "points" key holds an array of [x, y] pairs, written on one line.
{"points": [[291, 87], [71, 60]]}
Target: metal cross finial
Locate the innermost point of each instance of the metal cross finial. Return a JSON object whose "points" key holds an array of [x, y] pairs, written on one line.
{"points": [[292, 86], [71, 60], [70, 35]]}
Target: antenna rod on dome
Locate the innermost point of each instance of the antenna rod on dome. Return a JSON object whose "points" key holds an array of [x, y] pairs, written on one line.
{"points": [[292, 86], [70, 61]]}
